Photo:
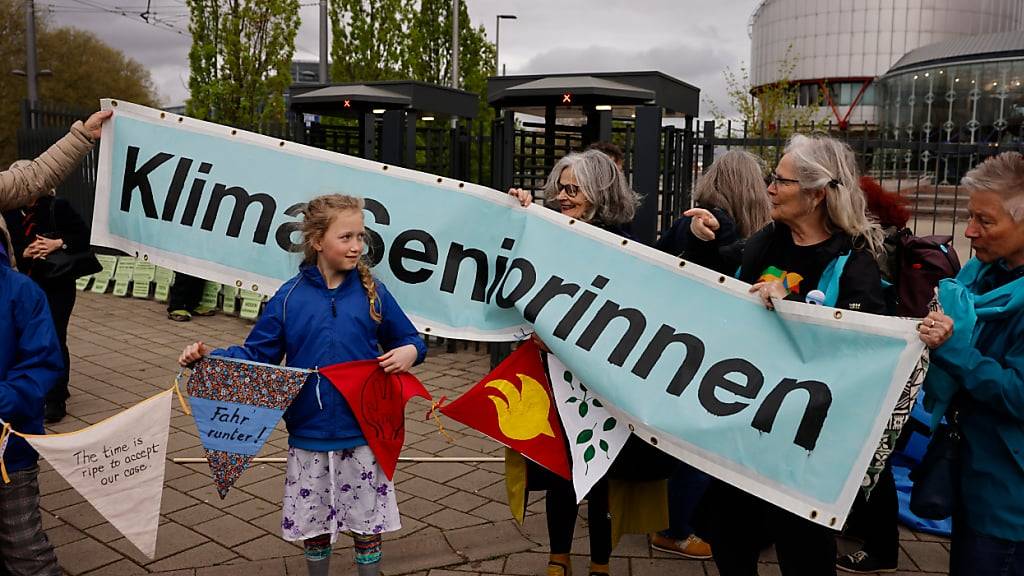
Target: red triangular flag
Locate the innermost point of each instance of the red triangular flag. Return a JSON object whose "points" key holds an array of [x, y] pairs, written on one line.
{"points": [[514, 405], [378, 402]]}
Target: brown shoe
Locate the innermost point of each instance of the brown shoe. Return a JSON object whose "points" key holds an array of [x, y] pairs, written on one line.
{"points": [[692, 547], [558, 569]]}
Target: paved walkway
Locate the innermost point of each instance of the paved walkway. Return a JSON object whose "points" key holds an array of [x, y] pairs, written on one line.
{"points": [[455, 519]]}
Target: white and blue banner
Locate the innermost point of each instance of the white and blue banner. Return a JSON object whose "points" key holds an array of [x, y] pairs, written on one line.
{"points": [[788, 405]]}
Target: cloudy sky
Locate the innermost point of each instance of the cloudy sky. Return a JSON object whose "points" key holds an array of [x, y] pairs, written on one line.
{"points": [[693, 40]]}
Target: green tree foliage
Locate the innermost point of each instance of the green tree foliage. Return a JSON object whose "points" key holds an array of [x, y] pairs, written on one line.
{"points": [[376, 40], [84, 69], [771, 109], [369, 39], [240, 61], [430, 49]]}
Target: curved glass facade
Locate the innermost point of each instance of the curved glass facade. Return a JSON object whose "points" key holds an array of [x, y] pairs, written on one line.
{"points": [[968, 102]]}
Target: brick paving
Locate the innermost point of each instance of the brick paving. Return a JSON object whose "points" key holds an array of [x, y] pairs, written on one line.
{"points": [[454, 515]]}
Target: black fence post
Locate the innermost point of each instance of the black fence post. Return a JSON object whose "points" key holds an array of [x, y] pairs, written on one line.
{"points": [[410, 139], [599, 127], [391, 140], [708, 153], [646, 171], [367, 136], [502, 149], [686, 178]]}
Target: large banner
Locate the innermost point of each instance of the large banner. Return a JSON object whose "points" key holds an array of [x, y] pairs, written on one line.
{"points": [[788, 405]]}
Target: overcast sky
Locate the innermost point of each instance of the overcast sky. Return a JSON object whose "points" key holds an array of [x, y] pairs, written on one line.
{"points": [[693, 40]]}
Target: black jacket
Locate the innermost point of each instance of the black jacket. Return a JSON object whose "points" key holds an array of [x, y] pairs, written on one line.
{"points": [[25, 224], [718, 254], [860, 286]]}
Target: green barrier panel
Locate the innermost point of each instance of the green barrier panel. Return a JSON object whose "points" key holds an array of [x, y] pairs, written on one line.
{"points": [[230, 303], [123, 274]]}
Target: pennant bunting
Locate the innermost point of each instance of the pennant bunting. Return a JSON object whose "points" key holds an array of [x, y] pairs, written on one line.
{"points": [[596, 436], [378, 402], [513, 405], [117, 465], [236, 405]]}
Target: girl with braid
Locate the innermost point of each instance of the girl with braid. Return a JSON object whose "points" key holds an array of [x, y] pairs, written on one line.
{"points": [[332, 311]]}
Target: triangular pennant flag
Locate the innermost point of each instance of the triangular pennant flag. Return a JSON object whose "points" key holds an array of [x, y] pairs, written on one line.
{"points": [[118, 466], [595, 435], [236, 405], [378, 402], [513, 405]]}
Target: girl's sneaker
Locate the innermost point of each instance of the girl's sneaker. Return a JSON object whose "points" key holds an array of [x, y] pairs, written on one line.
{"points": [[860, 562]]}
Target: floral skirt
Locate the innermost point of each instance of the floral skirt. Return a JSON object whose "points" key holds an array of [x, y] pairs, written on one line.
{"points": [[335, 492]]}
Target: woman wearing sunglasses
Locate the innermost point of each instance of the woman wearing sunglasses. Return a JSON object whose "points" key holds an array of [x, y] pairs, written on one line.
{"points": [[589, 187]]}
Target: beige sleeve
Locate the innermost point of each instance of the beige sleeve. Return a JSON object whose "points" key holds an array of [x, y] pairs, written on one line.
{"points": [[20, 186]]}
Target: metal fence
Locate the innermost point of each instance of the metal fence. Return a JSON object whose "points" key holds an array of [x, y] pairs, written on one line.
{"points": [[41, 126], [920, 166]]}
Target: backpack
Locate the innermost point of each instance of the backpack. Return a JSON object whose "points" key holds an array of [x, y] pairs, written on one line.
{"points": [[916, 264]]}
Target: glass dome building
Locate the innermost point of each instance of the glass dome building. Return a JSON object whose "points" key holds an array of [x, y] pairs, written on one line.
{"points": [[966, 90]]}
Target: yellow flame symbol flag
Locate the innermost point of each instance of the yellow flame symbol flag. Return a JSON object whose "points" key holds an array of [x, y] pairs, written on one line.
{"points": [[523, 412]]}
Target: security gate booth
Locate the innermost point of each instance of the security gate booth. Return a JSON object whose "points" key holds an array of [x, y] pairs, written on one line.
{"points": [[540, 118], [381, 121]]}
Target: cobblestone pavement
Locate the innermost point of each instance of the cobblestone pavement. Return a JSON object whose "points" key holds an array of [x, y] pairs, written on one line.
{"points": [[454, 515]]}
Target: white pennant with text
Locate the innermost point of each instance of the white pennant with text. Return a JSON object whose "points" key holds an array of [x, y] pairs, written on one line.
{"points": [[118, 466]]}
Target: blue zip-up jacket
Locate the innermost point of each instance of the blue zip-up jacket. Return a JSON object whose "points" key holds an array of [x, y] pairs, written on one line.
{"points": [[30, 362], [312, 326]]}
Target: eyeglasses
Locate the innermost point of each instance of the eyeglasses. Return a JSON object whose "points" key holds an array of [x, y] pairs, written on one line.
{"points": [[571, 190], [774, 178]]}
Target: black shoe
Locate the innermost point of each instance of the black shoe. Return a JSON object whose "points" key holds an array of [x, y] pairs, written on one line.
{"points": [[55, 412], [861, 563]]}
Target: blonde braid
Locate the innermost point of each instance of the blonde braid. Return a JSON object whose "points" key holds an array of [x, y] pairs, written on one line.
{"points": [[371, 289]]}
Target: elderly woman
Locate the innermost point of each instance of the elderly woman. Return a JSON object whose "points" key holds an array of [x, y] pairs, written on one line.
{"points": [[821, 231], [978, 358], [589, 187], [731, 205]]}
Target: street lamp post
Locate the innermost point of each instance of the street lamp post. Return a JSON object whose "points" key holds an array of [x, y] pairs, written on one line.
{"points": [[497, 39], [31, 67]]}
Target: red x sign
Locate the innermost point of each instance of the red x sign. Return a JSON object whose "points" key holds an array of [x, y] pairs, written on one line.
{"points": [[347, 104], [566, 98]]}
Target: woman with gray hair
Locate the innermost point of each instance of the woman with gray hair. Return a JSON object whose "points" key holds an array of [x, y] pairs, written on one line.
{"points": [[589, 187], [977, 373], [821, 233], [731, 204]]}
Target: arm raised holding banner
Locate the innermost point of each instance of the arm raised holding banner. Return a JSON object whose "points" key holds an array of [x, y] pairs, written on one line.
{"points": [[20, 186]]}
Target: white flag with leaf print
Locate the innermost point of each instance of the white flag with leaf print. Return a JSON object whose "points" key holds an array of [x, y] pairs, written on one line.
{"points": [[595, 436]]}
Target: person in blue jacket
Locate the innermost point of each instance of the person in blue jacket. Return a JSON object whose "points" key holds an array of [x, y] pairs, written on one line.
{"points": [[977, 343], [30, 364], [333, 311]]}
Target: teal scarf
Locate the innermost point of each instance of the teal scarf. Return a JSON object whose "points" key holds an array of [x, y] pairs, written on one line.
{"points": [[969, 312]]}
